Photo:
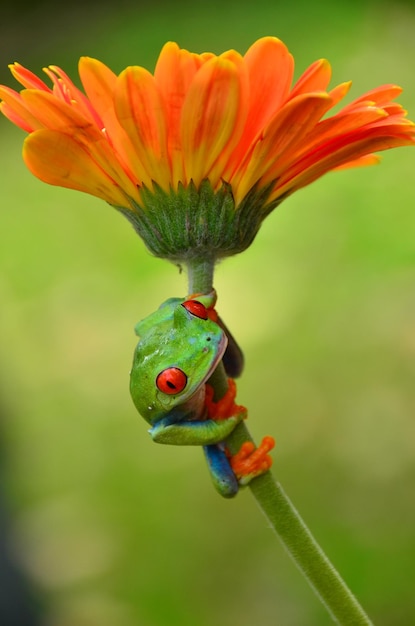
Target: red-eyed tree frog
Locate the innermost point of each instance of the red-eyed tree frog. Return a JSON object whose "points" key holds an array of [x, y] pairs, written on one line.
{"points": [[180, 346]]}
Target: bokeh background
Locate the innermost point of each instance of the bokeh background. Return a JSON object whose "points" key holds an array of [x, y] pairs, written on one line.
{"points": [[101, 526]]}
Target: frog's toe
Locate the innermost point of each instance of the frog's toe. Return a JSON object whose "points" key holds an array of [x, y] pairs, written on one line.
{"points": [[225, 407], [251, 462]]}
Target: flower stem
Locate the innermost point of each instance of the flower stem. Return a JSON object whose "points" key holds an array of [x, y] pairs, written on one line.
{"points": [[277, 507], [200, 273], [301, 545]]}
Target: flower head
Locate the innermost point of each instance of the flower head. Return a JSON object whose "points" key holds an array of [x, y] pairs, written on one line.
{"points": [[198, 153]]}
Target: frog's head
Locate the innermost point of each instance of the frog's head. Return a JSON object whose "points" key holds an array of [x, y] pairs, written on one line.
{"points": [[179, 349]]}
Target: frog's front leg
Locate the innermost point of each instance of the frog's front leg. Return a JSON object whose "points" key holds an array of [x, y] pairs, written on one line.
{"points": [[197, 433], [222, 417]]}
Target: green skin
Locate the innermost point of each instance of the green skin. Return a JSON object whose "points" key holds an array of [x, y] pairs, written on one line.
{"points": [[170, 337]]}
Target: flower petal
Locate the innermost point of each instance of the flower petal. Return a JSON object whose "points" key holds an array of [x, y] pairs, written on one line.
{"points": [[339, 153], [222, 118], [364, 161], [58, 159], [26, 78], [379, 95], [217, 173], [270, 69], [64, 89], [210, 115], [15, 110], [282, 136], [175, 70], [141, 112], [99, 83], [339, 92], [51, 112], [315, 78], [340, 124]]}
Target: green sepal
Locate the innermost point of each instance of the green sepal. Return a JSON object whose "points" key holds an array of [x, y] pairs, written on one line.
{"points": [[197, 223]]}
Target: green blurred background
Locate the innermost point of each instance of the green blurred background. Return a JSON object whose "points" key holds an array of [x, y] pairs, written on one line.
{"points": [[112, 530]]}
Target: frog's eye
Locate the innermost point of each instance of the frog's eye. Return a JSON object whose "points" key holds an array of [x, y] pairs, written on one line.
{"points": [[196, 308], [171, 380]]}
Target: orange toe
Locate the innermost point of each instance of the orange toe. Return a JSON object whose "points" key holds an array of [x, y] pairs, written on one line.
{"points": [[225, 407], [250, 462]]}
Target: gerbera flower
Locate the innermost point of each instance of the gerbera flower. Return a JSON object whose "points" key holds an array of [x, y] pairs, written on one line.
{"points": [[199, 153]]}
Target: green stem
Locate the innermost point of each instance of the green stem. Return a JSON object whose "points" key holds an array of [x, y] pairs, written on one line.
{"points": [[280, 512], [301, 545], [200, 273]]}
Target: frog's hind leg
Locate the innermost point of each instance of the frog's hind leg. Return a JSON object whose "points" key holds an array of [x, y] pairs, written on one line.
{"points": [[220, 469]]}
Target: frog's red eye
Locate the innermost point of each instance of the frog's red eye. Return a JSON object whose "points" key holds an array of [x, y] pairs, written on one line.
{"points": [[171, 380], [196, 308]]}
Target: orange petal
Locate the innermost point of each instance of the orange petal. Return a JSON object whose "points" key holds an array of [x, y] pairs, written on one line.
{"points": [[141, 112], [364, 161], [218, 171], [339, 92], [340, 124], [210, 116], [337, 155], [26, 78], [315, 78], [175, 70], [380, 95], [64, 89], [282, 135], [394, 109], [58, 159], [51, 112], [203, 58], [58, 115], [270, 69], [15, 110], [99, 83]]}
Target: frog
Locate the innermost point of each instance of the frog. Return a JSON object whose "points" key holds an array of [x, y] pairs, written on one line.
{"points": [[180, 346]]}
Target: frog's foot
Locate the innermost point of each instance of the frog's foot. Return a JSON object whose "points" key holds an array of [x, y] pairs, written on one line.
{"points": [[225, 407], [251, 462]]}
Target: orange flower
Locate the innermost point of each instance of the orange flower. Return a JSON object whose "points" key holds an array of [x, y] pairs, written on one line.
{"points": [[231, 120]]}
